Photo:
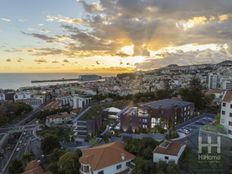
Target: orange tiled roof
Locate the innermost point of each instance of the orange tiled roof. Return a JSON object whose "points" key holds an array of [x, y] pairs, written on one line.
{"points": [[33, 168], [228, 96], [105, 155]]}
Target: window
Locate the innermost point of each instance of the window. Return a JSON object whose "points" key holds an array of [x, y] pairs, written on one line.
{"points": [[128, 164], [223, 104], [231, 106], [230, 123], [230, 132], [223, 112], [166, 157], [118, 166], [101, 172], [230, 114]]}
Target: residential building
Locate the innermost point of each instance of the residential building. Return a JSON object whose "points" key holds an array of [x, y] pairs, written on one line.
{"points": [[134, 119], [22, 95], [226, 112], [106, 159], [169, 112], [58, 119], [2, 96], [65, 100], [111, 113], [165, 113], [81, 101], [213, 81], [227, 85], [168, 151], [85, 127]]}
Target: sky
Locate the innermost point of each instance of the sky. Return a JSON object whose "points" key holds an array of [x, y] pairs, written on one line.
{"points": [[112, 36]]}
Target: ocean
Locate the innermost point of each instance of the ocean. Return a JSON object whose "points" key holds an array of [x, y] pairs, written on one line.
{"points": [[17, 80]]}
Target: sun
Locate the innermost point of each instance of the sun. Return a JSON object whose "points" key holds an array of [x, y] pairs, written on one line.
{"points": [[128, 50]]}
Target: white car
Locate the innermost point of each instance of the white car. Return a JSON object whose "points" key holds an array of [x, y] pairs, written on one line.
{"points": [[17, 150]]}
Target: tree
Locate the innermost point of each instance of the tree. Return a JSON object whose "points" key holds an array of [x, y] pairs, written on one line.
{"points": [[27, 156], [194, 93], [69, 163], [143, 166], [16, 167], [49, 143]]}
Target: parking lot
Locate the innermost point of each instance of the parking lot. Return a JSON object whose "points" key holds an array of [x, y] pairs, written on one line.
{"points": [[191, 126]]}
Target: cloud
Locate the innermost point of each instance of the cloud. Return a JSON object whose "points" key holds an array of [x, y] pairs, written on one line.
{"points": [[19, 60], [108, 26], [41, 36], [55, 61], [65, 61], [40, 60], [5, 19], [63, 19], [91, 8]]}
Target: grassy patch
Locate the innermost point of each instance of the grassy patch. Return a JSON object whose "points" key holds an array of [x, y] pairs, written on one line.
{"points": [[214, 128]]}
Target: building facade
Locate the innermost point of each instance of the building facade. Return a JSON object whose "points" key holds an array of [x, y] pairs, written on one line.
{"points": [[165, 113], [226, 112]]}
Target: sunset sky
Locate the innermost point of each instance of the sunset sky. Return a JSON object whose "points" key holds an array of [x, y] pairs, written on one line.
{"points": [[111, 36]]}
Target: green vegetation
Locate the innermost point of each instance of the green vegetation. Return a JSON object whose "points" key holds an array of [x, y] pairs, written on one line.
{"points": [[27, 157], [194, 94], [10, 111], [62, 133], [143, 149], [69, 163], [16, 167], [214, 128], [63, 162], [49, 143]]}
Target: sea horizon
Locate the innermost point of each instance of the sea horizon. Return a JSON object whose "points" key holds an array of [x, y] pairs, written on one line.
{"points": [[19, 80]]}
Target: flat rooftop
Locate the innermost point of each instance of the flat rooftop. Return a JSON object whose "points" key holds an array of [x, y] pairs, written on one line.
{"points": [[167, 103]]}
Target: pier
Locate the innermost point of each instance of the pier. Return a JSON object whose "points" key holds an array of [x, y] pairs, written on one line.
{"points": [[57, 80]]}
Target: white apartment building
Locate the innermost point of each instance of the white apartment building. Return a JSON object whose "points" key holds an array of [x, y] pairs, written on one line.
{"points": [[58, 119], [226, 112], [2, 97], [80, 101], [213, 81], [22, 95]]}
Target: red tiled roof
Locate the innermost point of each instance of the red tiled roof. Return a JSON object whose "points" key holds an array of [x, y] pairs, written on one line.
{"points": [[105, 155], [228, 96], [169, 148], [33, 168]]}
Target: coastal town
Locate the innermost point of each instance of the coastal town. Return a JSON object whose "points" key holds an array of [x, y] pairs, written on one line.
{"points": [[175, 119]]}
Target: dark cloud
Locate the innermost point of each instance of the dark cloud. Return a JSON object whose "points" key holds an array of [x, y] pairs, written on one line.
{"points": [[8, 60], [43, 37], [19, 60], [65, 61], [40, 60]]}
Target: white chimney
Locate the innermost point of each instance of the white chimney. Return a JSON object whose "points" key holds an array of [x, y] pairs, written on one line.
{"points": [[122, 156]]}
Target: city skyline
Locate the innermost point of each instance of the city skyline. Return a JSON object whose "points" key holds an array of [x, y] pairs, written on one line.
{"points": [[109, 36]]}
